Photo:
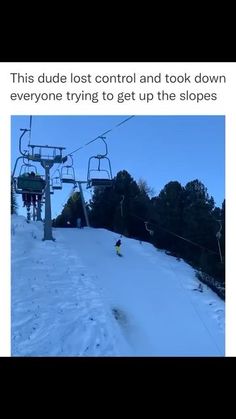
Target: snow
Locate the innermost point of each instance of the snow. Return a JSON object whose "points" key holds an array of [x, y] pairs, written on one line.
{"points": [[75, 297]]}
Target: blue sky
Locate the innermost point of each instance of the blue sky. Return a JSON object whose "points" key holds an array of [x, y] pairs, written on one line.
{"points": [[158, 149]]}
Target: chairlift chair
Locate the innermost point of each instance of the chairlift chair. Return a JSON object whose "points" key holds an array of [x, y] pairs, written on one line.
{"points": [[27, 168], [101, 182], [150, 231], [34, 186], [56, 182], [26, 182], [68, 173]]}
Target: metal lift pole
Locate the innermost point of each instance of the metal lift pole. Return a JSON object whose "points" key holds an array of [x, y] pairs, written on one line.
{"points": [[83, 203], [34, 213], [47, 164], [39, 218], [218, 237]]}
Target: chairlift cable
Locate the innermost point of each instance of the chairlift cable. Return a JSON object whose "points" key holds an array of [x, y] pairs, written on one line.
{"points": [[125, 120], [99, 136], [177, 235], [30, 127], [96, 138]]}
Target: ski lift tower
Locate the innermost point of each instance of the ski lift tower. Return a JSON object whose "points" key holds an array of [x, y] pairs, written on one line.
{"points": [[47, 156], [79, 183]]}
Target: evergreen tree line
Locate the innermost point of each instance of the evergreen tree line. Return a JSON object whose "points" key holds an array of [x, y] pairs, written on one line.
{"points": [[182, 220]]}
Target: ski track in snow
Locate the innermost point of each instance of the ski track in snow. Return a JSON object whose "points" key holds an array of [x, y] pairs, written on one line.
{"points": [[72, 297], [68, 302]]}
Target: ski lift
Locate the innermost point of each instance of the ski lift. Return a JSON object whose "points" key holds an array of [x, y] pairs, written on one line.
{"points": [[26, 168], [151, 232], [104, 181], [28, 180], [56, 181], [57, 155], [24, 130], [218, 237], [31, 183], [36, 153], [68, 173], [50, 188], [46, 152]]}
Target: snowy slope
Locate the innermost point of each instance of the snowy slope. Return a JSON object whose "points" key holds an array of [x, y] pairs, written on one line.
{"points": [[75, 297]]}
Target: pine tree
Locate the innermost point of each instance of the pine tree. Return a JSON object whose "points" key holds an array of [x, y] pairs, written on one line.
{"points": [[72, 210], [144, 188], [222, 240], [166, 212], [121, 208], [103, 204], [198, 222], [131, 206]]}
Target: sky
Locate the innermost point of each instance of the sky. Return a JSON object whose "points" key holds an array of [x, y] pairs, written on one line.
{"points": [[76, 297], [158, 149]]}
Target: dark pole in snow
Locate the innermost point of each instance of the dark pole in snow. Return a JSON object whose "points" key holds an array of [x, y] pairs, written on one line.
{"points": [[47, 164]]}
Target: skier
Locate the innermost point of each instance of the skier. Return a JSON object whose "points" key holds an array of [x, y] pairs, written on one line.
{"points": [[117, 246]]}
